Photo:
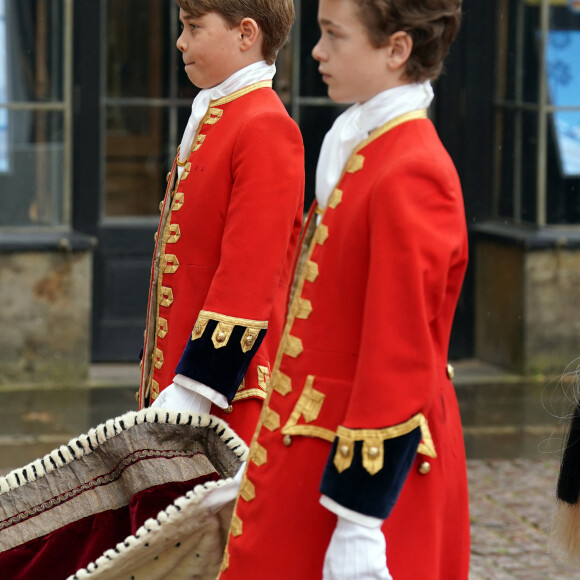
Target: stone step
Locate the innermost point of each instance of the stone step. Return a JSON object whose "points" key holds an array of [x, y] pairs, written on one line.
{"points": [[504, 416]]}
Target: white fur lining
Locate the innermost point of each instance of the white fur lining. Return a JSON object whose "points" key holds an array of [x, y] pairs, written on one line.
{"points": [[86, 444]]}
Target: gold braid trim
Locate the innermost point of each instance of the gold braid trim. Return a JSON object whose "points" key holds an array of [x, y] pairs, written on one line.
{"points": [[225, 327], [373, 439]]}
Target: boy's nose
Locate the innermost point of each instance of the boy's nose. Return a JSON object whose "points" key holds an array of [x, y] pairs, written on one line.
{"points": [[180, 43], [317, 52]]}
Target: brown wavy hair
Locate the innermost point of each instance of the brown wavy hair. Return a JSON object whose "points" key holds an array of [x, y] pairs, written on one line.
{"points": [[274, 17], [432, 25]]}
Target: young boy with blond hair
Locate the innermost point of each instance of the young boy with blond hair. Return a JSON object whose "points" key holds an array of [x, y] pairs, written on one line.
{"points": [[230, 219], [357, 467]]}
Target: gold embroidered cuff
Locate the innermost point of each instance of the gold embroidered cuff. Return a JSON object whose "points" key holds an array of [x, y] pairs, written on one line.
{"points": [[373, 443], [225, 327]]}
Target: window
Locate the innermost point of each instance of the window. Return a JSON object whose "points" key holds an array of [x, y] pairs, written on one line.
{"points": [[538, 112], [35, 112]]}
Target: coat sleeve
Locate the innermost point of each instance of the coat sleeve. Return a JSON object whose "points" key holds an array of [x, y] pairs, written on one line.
{"points": [[261, 226], [417, 240]]}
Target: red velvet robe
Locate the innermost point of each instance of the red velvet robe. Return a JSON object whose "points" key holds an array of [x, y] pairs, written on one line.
{"points": [[362, 403], [223, 258]]}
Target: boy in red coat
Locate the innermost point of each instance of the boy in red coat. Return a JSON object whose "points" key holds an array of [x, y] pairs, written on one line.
{"points": [[230, 219], [357, 467]]}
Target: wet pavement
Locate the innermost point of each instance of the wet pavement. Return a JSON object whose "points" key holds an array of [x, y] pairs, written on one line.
{"points": [[513, 439]]}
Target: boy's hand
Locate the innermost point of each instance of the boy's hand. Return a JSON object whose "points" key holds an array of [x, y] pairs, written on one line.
{"points": [[356, 551], [177, 398]]}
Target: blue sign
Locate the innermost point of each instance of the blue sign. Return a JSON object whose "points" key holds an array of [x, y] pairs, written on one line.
{"points": [[564, 85]]}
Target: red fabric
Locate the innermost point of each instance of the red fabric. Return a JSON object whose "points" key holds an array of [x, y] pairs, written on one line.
{"points": [[376, 315], [239, 225], [73, 546]]}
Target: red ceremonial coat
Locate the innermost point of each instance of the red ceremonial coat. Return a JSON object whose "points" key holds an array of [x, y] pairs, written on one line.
{"points": [[362, 404], [223, 257]]}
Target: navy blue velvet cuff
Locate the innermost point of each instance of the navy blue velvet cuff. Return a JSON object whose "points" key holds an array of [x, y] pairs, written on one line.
{"points": [[222, 369], [372, 495]]}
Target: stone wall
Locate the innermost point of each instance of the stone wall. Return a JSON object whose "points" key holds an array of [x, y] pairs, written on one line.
{"points": [[45, 316], [527, 305]]}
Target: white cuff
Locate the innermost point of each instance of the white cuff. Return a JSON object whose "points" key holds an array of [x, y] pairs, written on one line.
{"points": [[350, 515], [192, 385]]}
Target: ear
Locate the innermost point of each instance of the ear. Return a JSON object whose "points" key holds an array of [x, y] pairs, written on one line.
{"points": [[399, 49], [249, 33]]}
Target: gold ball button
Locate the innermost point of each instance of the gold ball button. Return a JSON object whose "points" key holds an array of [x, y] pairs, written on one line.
{"points": [[344, 450], [424, 468], [450, 372], [197, 329], [221, 337], [250, 339], [373, 452], [229, 409], [287, 440]]}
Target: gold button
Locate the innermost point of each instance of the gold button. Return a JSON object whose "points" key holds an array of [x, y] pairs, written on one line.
{"points": [[229, 409], [197, 329], [250, 339], [344, 450], [221, 337], [287, 440], [373, 451], [450, 372], [424, 468]]}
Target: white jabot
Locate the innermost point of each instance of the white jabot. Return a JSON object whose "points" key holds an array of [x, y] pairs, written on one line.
{"points": [[355, 125], [254, 73]]}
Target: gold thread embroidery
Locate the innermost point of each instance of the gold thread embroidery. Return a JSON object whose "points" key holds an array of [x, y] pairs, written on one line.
{"points": [[249, 339], [199, 327], [236, 527], [282, 383], [179, 163], [198, 142], [166, 296], [373, 443], [154, 390], [221, 334], [258, 454], [312, 271], [237, 94], [259, 324], [355, 163], [335, 198], [308, 406], [169, 264], [302, 308], [162, 328], [248, 490], [321, 234], [158, 359], [213, 116], [263, 378], [293, 346], [272, 420], [175, 233], [250, 393], [186, 171], [225, 561], [178, 201], [344, 454]]}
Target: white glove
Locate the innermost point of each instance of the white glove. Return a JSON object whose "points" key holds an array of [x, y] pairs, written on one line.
{"points": [[177, 398], [356, 551]]}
